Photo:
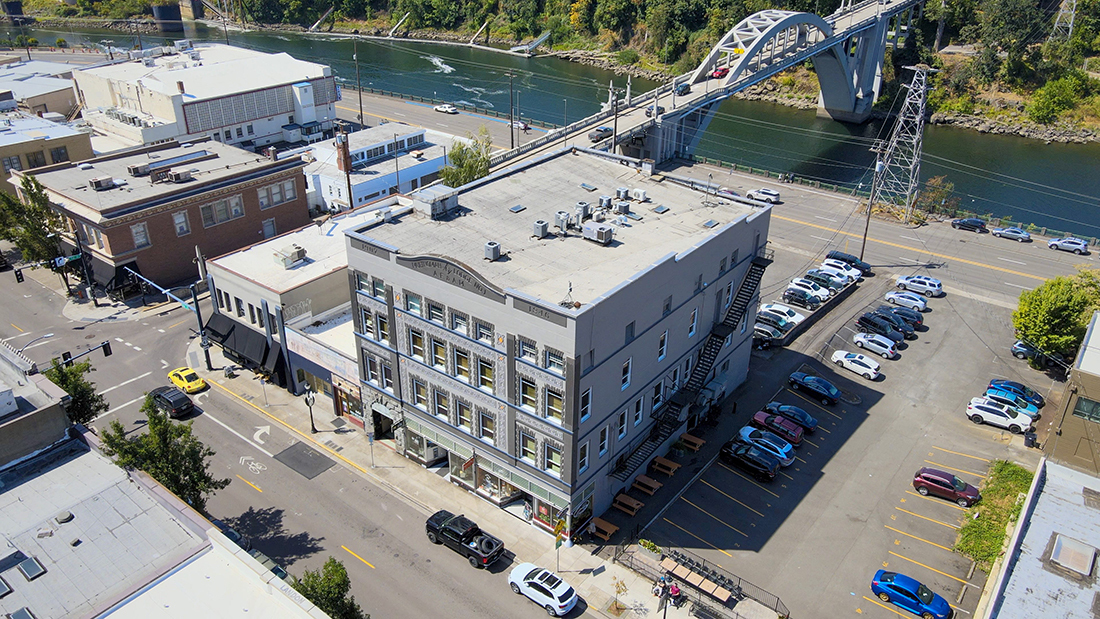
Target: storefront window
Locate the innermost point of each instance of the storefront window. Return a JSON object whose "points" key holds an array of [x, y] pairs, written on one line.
{"points": [[493, 487], [546, 514], [462, 469]]}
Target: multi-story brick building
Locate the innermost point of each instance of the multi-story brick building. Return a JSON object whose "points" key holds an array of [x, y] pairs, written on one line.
{"points": [[28, 142], [150, 208]]}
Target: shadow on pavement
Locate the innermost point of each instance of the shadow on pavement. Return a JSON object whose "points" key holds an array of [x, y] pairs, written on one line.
{"points": [[265, 528]]}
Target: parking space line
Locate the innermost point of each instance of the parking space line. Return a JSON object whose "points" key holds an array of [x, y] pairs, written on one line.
{"points": [[810, 443], [956, 470], [800, 460], [820, 427], [816, 405], [900, 532], [738, 473], [697, 537], [935, 500], [963, 581], [927, 518], [878, 603], [786, 475], [957, 453], [732, 498], [713, 516]]}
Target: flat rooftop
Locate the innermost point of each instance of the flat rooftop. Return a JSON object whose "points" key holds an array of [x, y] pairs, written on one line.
{"points": [[220, 70], [380, 133], [434, 147], [38, 67], [545, 268], [17, 127], [1088, 360], [324, 245], [335, 329], [33, 86]]}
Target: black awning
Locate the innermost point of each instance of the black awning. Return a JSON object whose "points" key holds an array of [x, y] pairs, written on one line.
{"points": [[219, 327], [274, 357], [241, 340]]}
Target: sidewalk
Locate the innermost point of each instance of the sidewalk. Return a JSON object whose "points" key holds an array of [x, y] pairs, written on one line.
{"points": [[592, 576], [81, 309]]}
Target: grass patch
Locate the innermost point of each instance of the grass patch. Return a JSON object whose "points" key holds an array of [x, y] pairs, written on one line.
{"points": [[981, 538]]}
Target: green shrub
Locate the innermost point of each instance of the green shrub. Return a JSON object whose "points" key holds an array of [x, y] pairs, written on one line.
{"points": [[650, 546], [1057, 96], [628, 56], [984, 533]]}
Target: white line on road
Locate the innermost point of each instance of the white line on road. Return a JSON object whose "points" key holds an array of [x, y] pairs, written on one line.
{"points": [[1017, 286], [24, 334], [441, 124], [129, 344], [119, 407], [161, 330], [137, 348], [206, 414], [910, 260], [1012, 261], [163, 364], [912, 238], [119, 339], [110, 389], [821, 238], [825, 218]]}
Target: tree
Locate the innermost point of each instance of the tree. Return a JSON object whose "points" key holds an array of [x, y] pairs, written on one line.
{"points": [[169, 453], [28, 222], [1005, 25], [1053, 316], [468, 162], [328, 589], [85, 404], [938, 195]]}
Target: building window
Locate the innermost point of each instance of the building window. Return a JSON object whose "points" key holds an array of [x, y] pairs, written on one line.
{"points": [[553, 460], [487, 427], [722, 266], [372, 370], [725, 367], [439, 354], [240, 306], [179, 220], [630, 332], [228, 135], [416, 344], [666, 309], [699, 282], [526, 446], [1087, 409], [582, 458], [485, 375], [694, 322], [733, 258], [626, 374], [458, 323], [387, 377], [527, 350], [442, 404], [12, 163], [462, 365], [59, 154], [528, 394], [412, 303], [603, 440], [638, 405], [744, 325], [555, 407], [378, 288], [586, 404], [484, 332], [383, 328], [221, 211], [368, 323], [420, 394], [729, 293], [141, 234], [217, 136], [662, 346], [252, 313], [465, 420], [36, 159], [240, 132], [687, 368], [555, 361], [249, 130], [658, 395], [362, 282], [98, 238], [435, 313], [622, 424]]}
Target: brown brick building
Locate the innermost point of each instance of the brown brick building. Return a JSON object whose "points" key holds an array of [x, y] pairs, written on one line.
{"points": [[149, 208]]}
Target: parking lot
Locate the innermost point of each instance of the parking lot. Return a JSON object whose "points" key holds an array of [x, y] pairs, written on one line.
{"points": [[846, 507]]}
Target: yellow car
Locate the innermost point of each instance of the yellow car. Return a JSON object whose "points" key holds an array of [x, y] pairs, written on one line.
{"points": [[187, 379]]}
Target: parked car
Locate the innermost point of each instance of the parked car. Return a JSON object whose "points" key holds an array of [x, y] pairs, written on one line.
{"points": [[906, 593], [905, 328], [929, 481], [912, 317], [757, 462], [779, 309], [870, 322], [463, 536], [766, 331], [914, 302], [770, 196], [267, 562], [804, 420], [839, 276], [779, 425], [878, 344], [1013, 401], [853, 273], [1076, 246], [1015, 234], [446, 108], [172, 401], [682, 89], [1019, 389], [801, 298], [649, 111], [600, 133], [825, 391], [850, 259], [727, 193], [855, 362], [544, 588], [928, 286], [1023, 350], [826, 280], [232, 534], [780, 449], [983, 410], [778, 322], [801, 283], [972, 223], [187, 379], [719, 73], [521, 125]]}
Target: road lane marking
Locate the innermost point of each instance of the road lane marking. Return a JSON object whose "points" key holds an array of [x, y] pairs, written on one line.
{"points": [[1016, 286], [825, 218], [935, 500], [713, 516], [738, 473], [1012, 261], [238, 434], [950, 526], [170, 326], [697, 537], [254, 486], [959, 453], [956, 470], [911, 260], [786, 475], [912, 238], [119, 339], [42, 343], [899, 531], [732, 498], [110, 389], [119, 407], [821, 238], [13, 324], [357, 556], [878, 603], [934, 570]]}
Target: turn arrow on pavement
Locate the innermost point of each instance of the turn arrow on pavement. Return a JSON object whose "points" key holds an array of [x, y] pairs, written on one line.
{"points": [[260, 430]]}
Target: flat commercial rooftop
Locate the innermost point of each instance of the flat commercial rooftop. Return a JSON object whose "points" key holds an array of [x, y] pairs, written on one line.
{"points": [[1089, 357], [27, 87], [336, 329], [17, 127], [673, 219], [379, 134], [434, 147], [38, 67]]}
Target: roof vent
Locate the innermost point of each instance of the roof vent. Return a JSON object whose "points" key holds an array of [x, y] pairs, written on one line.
{"points": [[540, 229], [179, 176], [622, 208], [492, 251], [1073, 555], [99, 184], [64, 517], [639, 195], [138, 169]]}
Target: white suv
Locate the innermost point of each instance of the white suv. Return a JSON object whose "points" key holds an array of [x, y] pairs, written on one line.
{"points": [[919, 283], [878, 344], [839, 265], [770, 196], [984, 410]]}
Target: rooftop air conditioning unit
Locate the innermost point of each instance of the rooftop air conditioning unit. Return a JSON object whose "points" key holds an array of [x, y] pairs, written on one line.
{"points": [[540, 229], [584, 210], [605, 201], [622, 193], [149, 62], [179, 176], [600, 233], [492, 251], [639, 195], [294, 252], [561, 220], [183, 45], [99, 184], [138, 169], [622, 208]]}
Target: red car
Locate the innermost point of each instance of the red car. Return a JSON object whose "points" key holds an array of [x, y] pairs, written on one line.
{"points": [[785, 428], [939, 483], [720, 72]]}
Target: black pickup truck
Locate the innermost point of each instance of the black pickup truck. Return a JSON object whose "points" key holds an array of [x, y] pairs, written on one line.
{"points": [[463, 536]]}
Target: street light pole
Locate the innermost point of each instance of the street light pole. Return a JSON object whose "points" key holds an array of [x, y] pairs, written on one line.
{"points": [[204, 341], [310, 399], [358, 83], [511, 114], [40, 337]]}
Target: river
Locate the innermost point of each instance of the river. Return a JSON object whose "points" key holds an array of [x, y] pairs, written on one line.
{"points": [[1050, 185]]}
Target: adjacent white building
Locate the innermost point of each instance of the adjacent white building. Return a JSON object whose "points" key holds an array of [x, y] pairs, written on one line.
{"points": [[234, 95]]}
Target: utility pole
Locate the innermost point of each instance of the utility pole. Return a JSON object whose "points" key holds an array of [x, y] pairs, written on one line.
{"points": [[397, 163], [877, 149], [225, 27], [203, 340], [615, 122], [511, 114], [358, 83]]}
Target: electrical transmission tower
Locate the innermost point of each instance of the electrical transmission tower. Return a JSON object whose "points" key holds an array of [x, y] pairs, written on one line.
{"points": [[1063, 25], [898, 174]]}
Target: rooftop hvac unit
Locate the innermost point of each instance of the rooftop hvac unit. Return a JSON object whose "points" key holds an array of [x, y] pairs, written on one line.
{"points": [[138, 169], [194, 55], [294, 252], [639, 195], [598, 216], [605, 201], [99, 184], [622, 208], [179, 176], [540, 229], [622, 193], [492, 251], [183, 45], [584, 210], [149, 62], [561, 220], [600, 233]]}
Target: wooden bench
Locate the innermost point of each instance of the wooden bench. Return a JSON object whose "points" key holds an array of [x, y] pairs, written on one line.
{"points": [[603, 529], [664, 465], [627, 504], [646, 484], [693, 443]]}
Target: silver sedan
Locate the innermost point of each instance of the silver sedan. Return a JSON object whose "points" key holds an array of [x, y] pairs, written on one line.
{"points": [[1015, 234]]}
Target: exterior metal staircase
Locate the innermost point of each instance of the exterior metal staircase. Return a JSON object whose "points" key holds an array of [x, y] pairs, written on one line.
{"points": [[668, 417]]}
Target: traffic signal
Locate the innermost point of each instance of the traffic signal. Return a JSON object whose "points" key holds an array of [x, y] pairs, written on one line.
{"points": [[18, 276], [67, 359], [106, 349]]}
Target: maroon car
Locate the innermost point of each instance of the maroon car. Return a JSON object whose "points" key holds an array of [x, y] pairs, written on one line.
{"points": [[938, 483], [780, 425]]}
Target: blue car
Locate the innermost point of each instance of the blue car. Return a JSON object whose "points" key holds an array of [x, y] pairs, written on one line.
{"points": [[906, 593], [1019, 389], [1013, 401], [816, 386]]}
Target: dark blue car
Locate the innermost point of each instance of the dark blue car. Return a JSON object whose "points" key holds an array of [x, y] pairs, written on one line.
{"points": [[1019, 389], [904, 592], [795, 414], [815, 386]]}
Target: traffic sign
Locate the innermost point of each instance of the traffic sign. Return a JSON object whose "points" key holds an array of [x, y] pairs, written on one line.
{"points": [[559, 527], [558, 541]]}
